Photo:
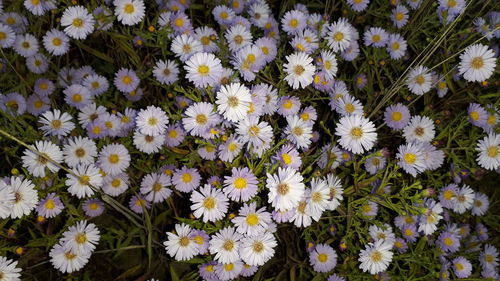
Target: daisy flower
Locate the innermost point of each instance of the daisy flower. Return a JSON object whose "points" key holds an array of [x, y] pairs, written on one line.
{"points": [[78, 23], [419, 80], [225, 244], [241, 185], [50, 206], [7, 199], [8, 269], [477, 63], [204, 69], [288, 105], [328, 63], [357, 133], [376, 37], [129, 12], [399, 16], [285, 188], [462, 267], [114, 158], [480, 205], [26, 45], [228, 271], [207, 37], [348, 105], [78, 96], [258, 134], [323, 258], [201, 238], [250, 221], [186, 179], [288, 156], [447, 195], [7, 36], [339, 35], [184, 46], [179, 245], [87, 179], [233, 101], [419, 129], [126, 80], [210, 203], [429, 220], [81, 238], [44, 87], [56, 123], [358, 5], [138, 204], [199, 118], [489, 257], [166, 71], [448, 242], [299, 69], [46, 156], [152, 121], [147, 143], [293, 22], [335, 191], [230, 149], [257, 250], [223, 14], [174, 135], [397, 116], [79, 150], [115, 185], [238, 37], [66, 260], [396, 46], [374, 164], [375, 257], [38, 63], [25, 197], [154, 187], [411, 158], [298, 131], [382, 233], [477, 114], [489, 152], [464, 200]]}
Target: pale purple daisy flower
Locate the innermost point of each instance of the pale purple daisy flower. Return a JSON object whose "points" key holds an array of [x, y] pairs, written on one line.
{"points": [[175, 135], [96, 129], [335, 277], [462, 267], [283, 216], [293, 22], [323, 258], [37, 104], [480, 205], [154, 187], [269, 48], [369, 210], [78, 96], [374, 164], [250, 221], [207, 271], [360, 81], [288, 156], [482, 232], [447, 195], [44, 87], [288, 105], [126, 80], [448, 242], [400, 245], [204, 69], [477, 114], [186, 179], [201, 238], [134, 95], [50, 207], [199, 117], [138, 203], [241, 185], [358, 5], [93, 207], [411, 158], [248, 270], [399, 16], [376, 37], [409, 232]]}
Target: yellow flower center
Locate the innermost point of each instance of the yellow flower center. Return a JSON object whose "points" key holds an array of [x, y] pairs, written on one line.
{"points": [[238, 39], [172, 134], [228, 245], [201, 119], [38, 104], [187, 178], [179, 22], [299, 69], [77, 22], [288, 104], [420, 79], [224, 15], [56, 124], [287, 159], [448, 194], [349, 108], [459, 266], [205, 40], [356, 133], [410, 158], [408, 232], [129, 8], [184, 241], [338, 36], [116, 182], [240, 183], [395, 46], [232, 147], [493, 151], [127, 80], [77, 98], [283, 188], [448, 241], [376, 256], [376, 38], [252, 219], [203, 69], [399, 16], [294, 23], [49, 205], [254, 131], [113, 158]]}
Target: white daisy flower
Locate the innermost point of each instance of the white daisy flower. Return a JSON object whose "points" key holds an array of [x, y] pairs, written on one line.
{"points": [[81, 238], [335, 191], [199, 118], [375, 257], [489, 152], [152, 121], [225, 245], [233, 101], [87, 178], [114, 158], [385, 234], [129, 12], [419, 129], [255, 132], [26, 45], [56, 42], [238, 37], [8, 269], [7, 36], [184, 46], [210, 203], [257, 250], [154, 187], [285, 188], [348, 105], [79, 150], [481, 204], [298, 131], [78, 22], [419, 80], [115, 185], [411, 158], [66, 260], [318, 198], [38, 63], [250, 221], [178, 245], [329, 64], [166, 71], [357, 133], [228, 271], [477, 63], [25, 197], [46, 152], [299, 69], [56, 123], [463, 200], [339, 35], [429, 220], [147, 143], [204, 69], [7, 199]]}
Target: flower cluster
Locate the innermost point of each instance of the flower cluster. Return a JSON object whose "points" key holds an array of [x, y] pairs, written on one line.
{"points": [[221, 134]]}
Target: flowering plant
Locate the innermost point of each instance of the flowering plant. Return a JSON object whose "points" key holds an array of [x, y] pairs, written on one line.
{"points": [[249, 140]]}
